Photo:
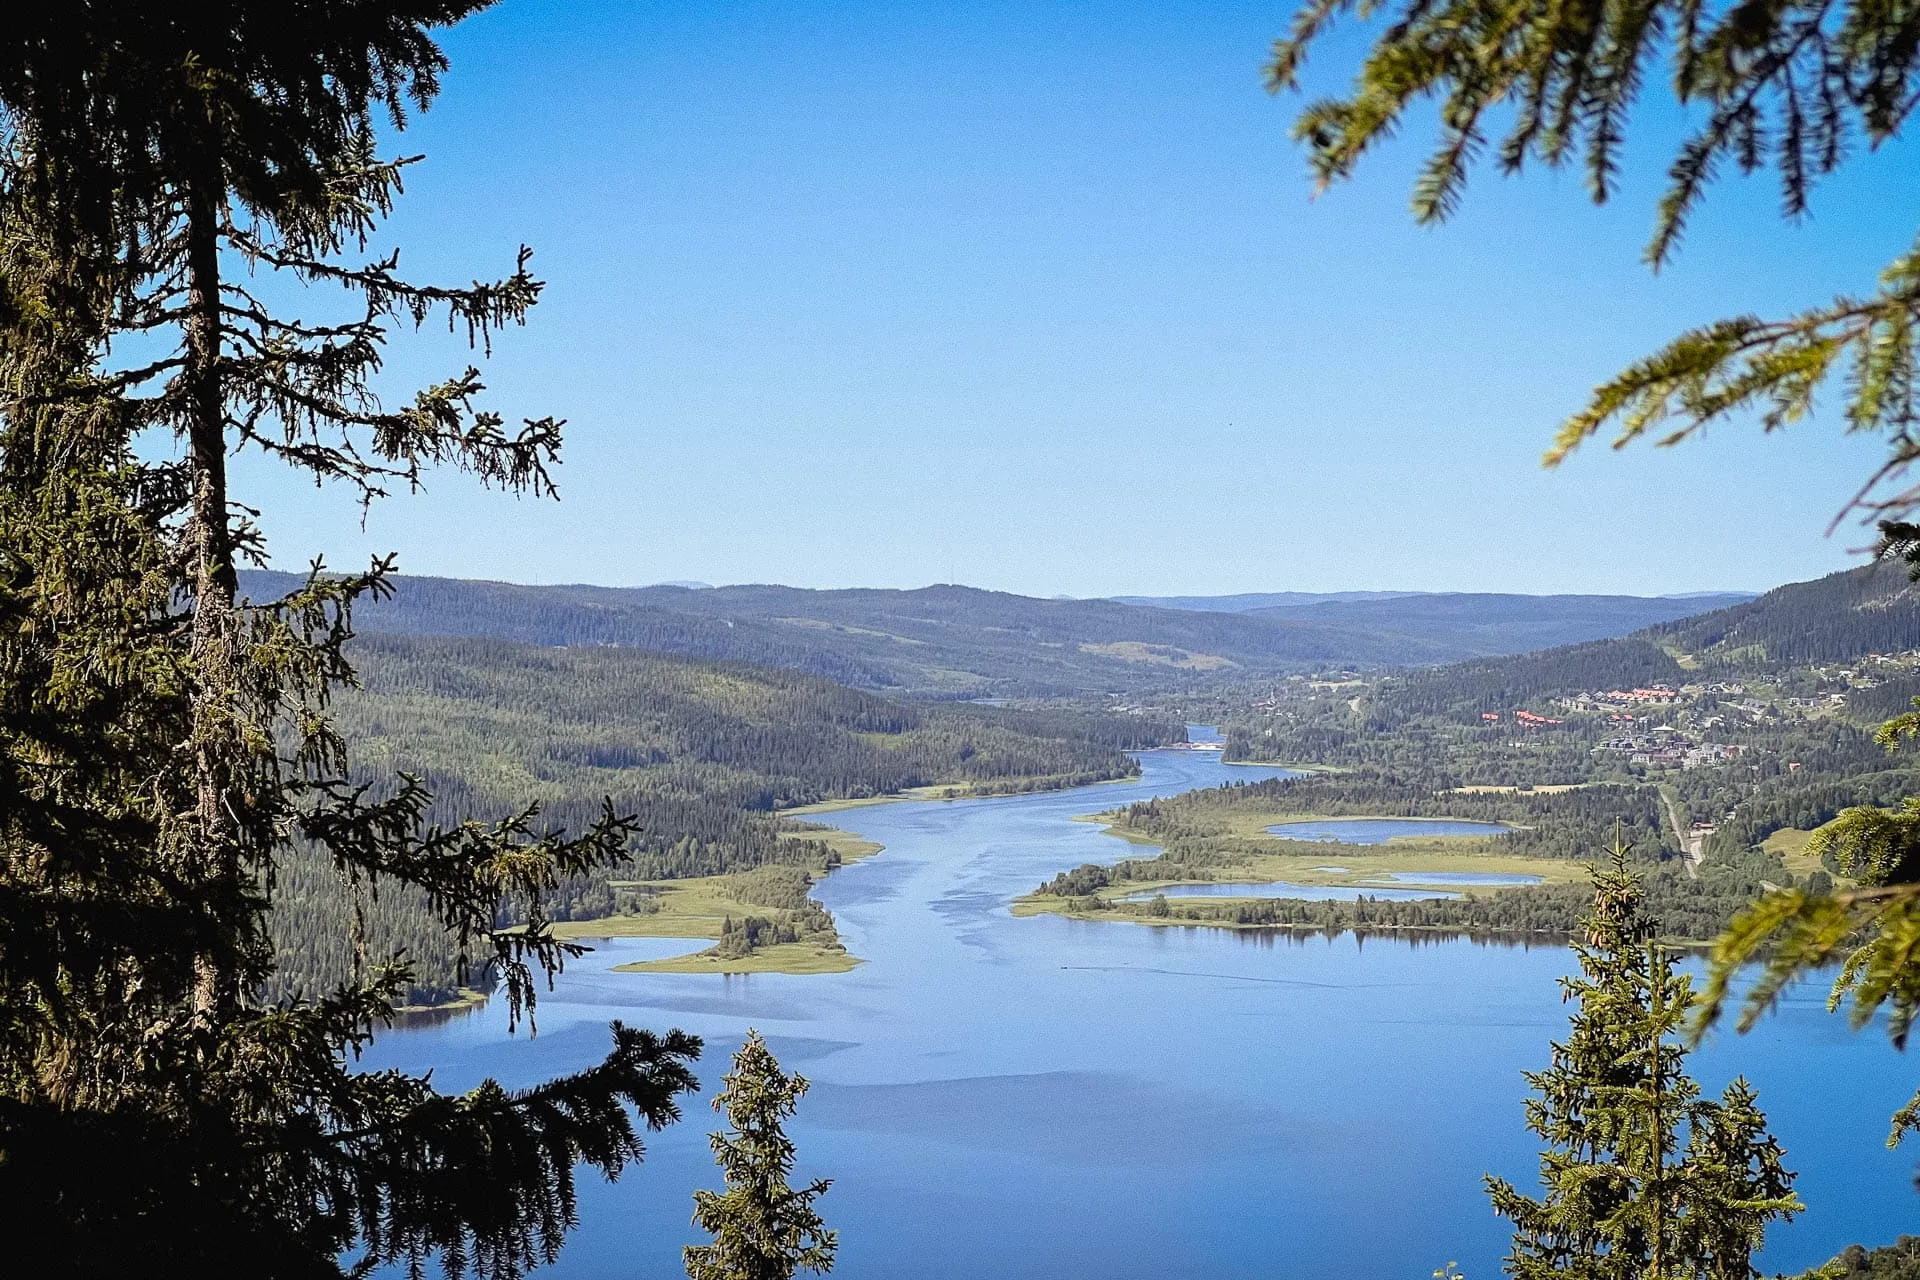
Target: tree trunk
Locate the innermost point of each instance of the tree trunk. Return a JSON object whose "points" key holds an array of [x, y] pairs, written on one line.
{"points": [[210, 547]]}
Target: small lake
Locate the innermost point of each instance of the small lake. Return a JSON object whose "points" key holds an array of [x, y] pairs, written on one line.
{"points": [[1487, 879], [1283, 889], [1381, 830], [1371, 887], [1035, 1098]]}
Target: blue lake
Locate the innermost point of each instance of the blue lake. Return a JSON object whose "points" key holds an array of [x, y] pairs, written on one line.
{"points": [[1044, 1097], [1381, 830], [1489, 879], [1371, 886], [1284, 889]]}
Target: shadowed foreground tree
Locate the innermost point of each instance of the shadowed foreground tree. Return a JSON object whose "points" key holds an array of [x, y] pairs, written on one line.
{"points": [[163, 743], [1795, 86], [762, 1228], [1626, 1197]]}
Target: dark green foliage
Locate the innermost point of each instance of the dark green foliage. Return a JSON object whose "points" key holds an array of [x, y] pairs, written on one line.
{"points": [[762, 1227], [1623, 1198], [1897, 1261], [1684, 909], [165, 748], [1466, 689]]}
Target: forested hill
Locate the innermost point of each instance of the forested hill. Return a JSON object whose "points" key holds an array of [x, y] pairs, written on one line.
{"points": [[1872, 609], [1838, 618], [1497, 624], [941, 641], [958, 641], [701, 752]]}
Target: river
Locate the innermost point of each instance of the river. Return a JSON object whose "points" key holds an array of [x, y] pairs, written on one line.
{"points": [[1002, 1097]]}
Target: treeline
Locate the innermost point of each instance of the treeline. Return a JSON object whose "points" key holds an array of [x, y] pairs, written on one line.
{"points": [[1683, 909], [701, 753], [1897, 1261]]}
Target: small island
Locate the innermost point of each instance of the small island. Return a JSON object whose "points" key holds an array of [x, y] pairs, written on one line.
{"points": [[1235, 870], [761, 920]]}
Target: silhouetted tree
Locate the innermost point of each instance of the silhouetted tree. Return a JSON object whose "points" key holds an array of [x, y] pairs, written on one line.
{"points": [[164, 743]]}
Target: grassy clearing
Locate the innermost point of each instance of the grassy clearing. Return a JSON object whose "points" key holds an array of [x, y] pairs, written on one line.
{"points": [[1791, 844], [785, 957], [849, 846], [939, 791], [1159, 655]]}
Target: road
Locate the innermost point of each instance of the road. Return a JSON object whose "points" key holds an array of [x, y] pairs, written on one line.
{"points": [[1691, 846]]}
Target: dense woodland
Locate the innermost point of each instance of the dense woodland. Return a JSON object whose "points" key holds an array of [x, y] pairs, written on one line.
{"points": [[701, 754]]}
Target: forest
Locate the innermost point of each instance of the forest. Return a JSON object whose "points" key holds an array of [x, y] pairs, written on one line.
{"points": [[703, 755]]}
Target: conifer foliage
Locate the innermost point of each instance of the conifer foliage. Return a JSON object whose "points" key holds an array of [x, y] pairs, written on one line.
{"points": [[1643, 1179], [762, 1228], [165, 742], [1793, 85]]}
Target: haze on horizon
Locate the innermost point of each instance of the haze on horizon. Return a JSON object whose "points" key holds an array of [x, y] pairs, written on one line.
{"points": [[1033, 298]]}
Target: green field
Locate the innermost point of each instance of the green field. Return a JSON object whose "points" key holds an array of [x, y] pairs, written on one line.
{"points": [[785, 957]]}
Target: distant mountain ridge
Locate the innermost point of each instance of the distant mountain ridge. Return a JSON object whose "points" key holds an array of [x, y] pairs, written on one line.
{"points": [[952, 641], [936, 641], [1500, 623], [1247, 601]]}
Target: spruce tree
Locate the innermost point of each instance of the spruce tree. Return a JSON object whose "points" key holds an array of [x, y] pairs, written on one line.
{"points": [[1625, 1195], [762, 1228], [164, 743]]}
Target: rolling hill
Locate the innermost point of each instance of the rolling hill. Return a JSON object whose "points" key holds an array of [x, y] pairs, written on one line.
{"points": [[958, 642], [936, 641], [1497, 624], [1838, 618]]}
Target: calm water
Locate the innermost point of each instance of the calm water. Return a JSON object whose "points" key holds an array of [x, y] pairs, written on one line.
{"points": [[1483, 878], [1038, 1097], [1381, 830], [1287, 889]]}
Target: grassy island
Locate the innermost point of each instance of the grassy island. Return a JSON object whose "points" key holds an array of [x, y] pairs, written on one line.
{"points": [[1220, 835], [761, 921], [1246, 852]]}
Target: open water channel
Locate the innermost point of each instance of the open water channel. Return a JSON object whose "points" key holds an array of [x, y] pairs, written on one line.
{"points": [[1002, 1097]]}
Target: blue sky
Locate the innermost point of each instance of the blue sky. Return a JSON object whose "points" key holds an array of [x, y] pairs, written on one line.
{"points": [[1033, 296]]}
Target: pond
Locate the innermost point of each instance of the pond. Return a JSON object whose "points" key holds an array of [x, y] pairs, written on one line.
{"points": [[1381, 830], [1285, 889]]}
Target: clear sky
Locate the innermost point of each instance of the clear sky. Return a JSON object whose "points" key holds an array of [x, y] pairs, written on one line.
{"points": [[1033, 296]]}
